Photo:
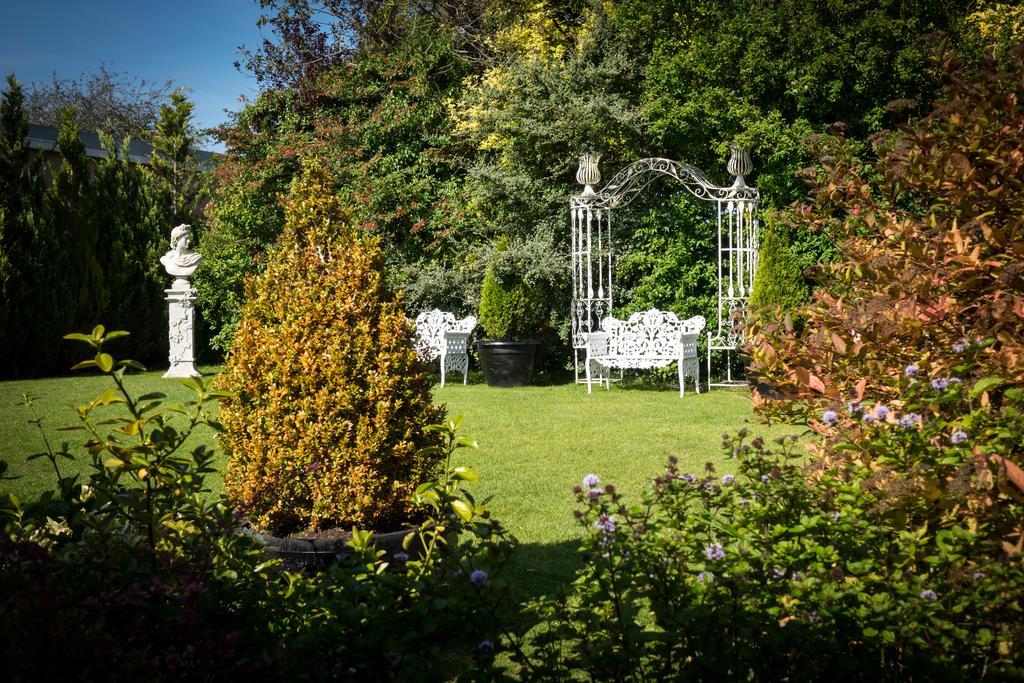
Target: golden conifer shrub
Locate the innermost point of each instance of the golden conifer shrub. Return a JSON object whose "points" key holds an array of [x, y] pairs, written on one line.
{"points": [[329, 402]]}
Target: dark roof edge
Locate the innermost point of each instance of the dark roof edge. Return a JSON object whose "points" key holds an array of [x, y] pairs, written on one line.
{"points": [[45, 138]]}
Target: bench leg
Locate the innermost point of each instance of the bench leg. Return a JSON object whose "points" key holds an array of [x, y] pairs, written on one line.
{"points": [[442, 371], [682, 379]]}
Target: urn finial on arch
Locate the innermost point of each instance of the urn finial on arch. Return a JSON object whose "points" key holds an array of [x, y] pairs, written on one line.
{"points": [[740, 163], [588, 174]]}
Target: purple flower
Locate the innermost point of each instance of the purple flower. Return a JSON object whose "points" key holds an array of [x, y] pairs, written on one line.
{"points": [[881, 412], [869, 419], [705, 577], [715, 551], [590, 481], [836, 516], [909, 420], [778, 573], [960, 346], [485, 646], [401, 557], [829, 417], [977, 576], [595, 493], [959, 436], [764, 478], [812, 617], [940, 383], [728, 479], [929, 594], [853, 407], [478, 577], [911, 370], [605, 523], [688, 478]]}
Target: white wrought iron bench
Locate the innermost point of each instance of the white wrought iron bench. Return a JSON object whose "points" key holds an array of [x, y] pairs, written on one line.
{"points": [[652, 339], [440, 335]]}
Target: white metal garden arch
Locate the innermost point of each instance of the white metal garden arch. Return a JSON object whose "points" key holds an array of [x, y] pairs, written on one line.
{"points": [[592, 245]]}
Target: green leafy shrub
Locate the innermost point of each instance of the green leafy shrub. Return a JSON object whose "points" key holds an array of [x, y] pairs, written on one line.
{"points": [[138, 572], [779, 284], [326, 423], [898, 557], [511, 306]]}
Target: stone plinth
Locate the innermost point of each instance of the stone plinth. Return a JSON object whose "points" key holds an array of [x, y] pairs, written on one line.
{"points": [[182, 318]]}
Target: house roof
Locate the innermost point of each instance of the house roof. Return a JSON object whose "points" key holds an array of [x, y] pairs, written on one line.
{"points": [[139, 151]]}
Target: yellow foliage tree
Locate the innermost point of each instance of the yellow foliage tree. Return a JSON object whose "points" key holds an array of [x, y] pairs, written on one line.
{"points": [[326, 422]]}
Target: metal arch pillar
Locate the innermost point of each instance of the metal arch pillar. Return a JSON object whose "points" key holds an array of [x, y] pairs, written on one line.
{"points": [[593, 258]]}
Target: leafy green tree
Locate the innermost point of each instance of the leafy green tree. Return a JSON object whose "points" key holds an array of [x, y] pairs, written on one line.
{"points": [[173, 171], [779, 284]]}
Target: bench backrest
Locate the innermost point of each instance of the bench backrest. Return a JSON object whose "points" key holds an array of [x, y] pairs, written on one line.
{"points": [[651, 334], [431, 327]]}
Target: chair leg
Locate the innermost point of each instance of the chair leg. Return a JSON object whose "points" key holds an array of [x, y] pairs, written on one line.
{"points": [[682, 380], [442, 371], [589, 386]]}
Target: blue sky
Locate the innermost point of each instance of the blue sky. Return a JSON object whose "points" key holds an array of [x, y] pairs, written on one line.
{"points": [[190, 42]]}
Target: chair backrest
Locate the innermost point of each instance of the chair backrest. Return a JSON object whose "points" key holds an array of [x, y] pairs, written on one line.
{"points": [[651, 333], [431, 329]]}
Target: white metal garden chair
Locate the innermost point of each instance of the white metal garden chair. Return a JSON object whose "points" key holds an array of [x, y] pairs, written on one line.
{"points": [[440, 335]]}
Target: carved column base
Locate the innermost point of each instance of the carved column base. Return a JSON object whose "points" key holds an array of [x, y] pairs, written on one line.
{"points": [[182, 332]]}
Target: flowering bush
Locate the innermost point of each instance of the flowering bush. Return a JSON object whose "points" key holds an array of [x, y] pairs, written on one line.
{"points": [[136, 572], [895, 554]]}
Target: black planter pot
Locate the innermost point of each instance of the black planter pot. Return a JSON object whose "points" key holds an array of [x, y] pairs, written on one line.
{"points": [[507, 363]]}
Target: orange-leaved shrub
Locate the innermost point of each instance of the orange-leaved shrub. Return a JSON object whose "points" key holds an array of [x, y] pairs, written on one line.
{"points": [[931, 258], [326, 422]]}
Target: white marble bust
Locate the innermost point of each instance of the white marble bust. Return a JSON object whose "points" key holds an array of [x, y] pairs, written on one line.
{"points": [[181, 261]]}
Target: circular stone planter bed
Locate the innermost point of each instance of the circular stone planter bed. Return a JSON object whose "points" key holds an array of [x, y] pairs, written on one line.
{"points": [[316, 551]]}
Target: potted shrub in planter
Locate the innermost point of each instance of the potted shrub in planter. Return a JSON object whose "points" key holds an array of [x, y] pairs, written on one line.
{"points": [[512, 312], [325, 427]]}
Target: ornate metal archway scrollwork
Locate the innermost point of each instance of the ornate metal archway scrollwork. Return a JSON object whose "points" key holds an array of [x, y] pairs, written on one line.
{"points": [[593, 258]]}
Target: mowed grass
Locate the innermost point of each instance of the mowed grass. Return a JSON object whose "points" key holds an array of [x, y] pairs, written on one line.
{"points": [[535, 444]]}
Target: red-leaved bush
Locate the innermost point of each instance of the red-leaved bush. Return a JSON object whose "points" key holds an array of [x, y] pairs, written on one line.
{"points": [[931, 257]]}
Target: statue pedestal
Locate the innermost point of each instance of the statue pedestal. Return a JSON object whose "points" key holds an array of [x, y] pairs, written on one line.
{"points": [[182, 318]]}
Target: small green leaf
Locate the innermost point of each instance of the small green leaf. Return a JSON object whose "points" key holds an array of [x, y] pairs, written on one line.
{"points": [[105, 362], [113, 463], [133, 364], [462, 509], [84, 364], [466, 474], [116, 334], [984, 384], [97, 332], [78, 336]]}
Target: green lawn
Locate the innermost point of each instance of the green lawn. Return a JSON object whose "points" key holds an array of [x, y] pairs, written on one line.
{"points": [[535, 444]]}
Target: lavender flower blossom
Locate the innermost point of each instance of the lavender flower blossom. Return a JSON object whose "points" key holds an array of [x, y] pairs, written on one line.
{"points": [[485, 646], [715, 551], [940, 383], [590, 481], [705, 577], [960, 346], [869, 419], [977, 576], [909, 420], [853, 407], [401, 557], [830, 417], [882, 412], [911, 370], [929, 594], [478, 577], [836, 516], [688, 478], [958, 437], [728, 479], [605, 523], [764, 478], [778, 573]]}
